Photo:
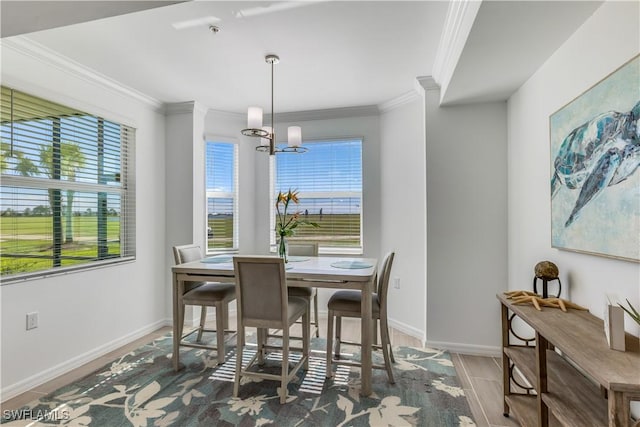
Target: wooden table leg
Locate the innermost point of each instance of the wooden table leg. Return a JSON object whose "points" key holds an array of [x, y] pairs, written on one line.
{"points": [[367, 339], [176, 315]]}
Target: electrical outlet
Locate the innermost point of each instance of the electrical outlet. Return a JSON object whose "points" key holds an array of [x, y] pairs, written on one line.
{"points": [[32, 320], [396, 282]]}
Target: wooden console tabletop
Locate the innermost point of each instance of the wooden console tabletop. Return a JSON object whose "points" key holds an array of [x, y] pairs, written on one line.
{"points": [[563, 396]]}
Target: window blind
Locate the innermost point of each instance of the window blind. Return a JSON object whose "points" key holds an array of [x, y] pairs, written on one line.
{"points": [[329, 180], [221, 171], [67, 198]]}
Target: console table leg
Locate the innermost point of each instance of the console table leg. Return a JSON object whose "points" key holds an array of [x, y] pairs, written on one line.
{"points": [[506, 381], [619, 412], [541, 371]]}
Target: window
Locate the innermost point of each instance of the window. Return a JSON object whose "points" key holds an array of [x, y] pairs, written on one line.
{"points": [[222, 196], [329, 179], [67, 192]]}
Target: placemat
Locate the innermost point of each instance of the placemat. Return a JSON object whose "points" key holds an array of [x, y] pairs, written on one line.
{"points": [[297, 258], [351, 264], [218, 259]]}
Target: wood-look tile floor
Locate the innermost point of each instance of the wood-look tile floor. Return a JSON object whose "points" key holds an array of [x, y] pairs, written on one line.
{"points": [[481, 377]]}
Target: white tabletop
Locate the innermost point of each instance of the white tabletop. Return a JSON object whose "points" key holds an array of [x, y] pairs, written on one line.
{"points": [[314, 268]]}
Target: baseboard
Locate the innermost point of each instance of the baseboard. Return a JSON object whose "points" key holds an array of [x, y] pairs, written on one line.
{"points": [[408, 329], [27, 384], [470, 349]]}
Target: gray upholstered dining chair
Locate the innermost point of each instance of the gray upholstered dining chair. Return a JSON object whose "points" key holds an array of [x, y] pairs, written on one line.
{"points": [[306, 249], [202, 294], [347, 304], [263, 303]]}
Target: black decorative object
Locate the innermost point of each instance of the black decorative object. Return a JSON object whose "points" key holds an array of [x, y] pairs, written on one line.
{"points": [[547, 271]]}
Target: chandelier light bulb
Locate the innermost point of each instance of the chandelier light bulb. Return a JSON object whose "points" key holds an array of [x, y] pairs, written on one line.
{"points": [[294, 136], [254, 118]]}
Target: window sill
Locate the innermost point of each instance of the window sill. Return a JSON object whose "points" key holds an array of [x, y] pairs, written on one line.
{"points": [[10, 280]]}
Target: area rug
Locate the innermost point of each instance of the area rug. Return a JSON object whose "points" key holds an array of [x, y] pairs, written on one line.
{"points": [[142, 389]]}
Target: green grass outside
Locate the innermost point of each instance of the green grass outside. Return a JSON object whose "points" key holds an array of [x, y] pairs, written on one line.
{"points": [[33, 235], [83, 226]]}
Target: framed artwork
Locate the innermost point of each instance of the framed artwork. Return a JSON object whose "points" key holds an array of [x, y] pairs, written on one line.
{"points": [[595, 181]]}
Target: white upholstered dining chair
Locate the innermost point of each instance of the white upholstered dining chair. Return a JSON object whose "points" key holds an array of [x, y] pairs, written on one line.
{"points": [[263, 303], [348, 304], [306, 249], [202, 294]]}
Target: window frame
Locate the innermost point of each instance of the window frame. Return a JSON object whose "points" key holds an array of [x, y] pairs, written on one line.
{"points": [[235, 195], [322, 250], [126, 190]]}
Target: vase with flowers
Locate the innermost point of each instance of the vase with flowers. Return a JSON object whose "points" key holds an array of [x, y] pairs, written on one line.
{"points": [[287, 222]]}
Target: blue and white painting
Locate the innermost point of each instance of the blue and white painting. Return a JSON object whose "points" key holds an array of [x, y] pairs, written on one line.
{"points": [[595, 176]]}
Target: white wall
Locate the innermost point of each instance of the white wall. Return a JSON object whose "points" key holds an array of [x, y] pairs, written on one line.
{"points": [[86, 314], [466, 223], [606, 41], [184, 192], [403, 215]]}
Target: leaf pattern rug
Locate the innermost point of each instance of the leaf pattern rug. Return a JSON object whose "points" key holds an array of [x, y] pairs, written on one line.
{"points": [[141, 389]]}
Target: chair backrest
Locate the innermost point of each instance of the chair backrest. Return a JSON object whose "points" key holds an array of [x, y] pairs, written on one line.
{"points": [[383, 279], [261, 291], [187, 253], [303, 249]]}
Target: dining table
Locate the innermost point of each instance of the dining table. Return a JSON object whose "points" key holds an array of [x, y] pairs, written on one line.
{"points": [[309, 271]]}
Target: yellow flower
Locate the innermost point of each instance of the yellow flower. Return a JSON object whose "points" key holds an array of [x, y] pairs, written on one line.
{"points": [[286, 225]]}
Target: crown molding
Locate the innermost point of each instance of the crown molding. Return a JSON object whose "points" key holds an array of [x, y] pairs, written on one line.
{"points": [[460, 17], [331, 113], [399, 101], [187, 107], [428, 83], [49, 57]]}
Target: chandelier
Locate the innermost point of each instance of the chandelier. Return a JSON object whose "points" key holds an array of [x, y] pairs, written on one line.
{"points": [[267, 134]]}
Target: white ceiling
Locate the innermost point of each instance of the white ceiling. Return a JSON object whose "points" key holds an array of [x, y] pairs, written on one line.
{"points": [[508, 42], [333, 53], [22, 16]]}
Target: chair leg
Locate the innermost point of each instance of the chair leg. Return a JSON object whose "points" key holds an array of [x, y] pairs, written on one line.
{"points": [[315, 313], [386, 345], [262, 332], [329, 372], [220, 332], [338, 333], [180, 331], [239, 348], [306, 332], [285, 365], [384, 325], [203, 319], [224, 312], [375, 333]]}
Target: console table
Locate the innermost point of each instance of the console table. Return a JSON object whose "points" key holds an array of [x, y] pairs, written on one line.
{"points": [[573, 378]]}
